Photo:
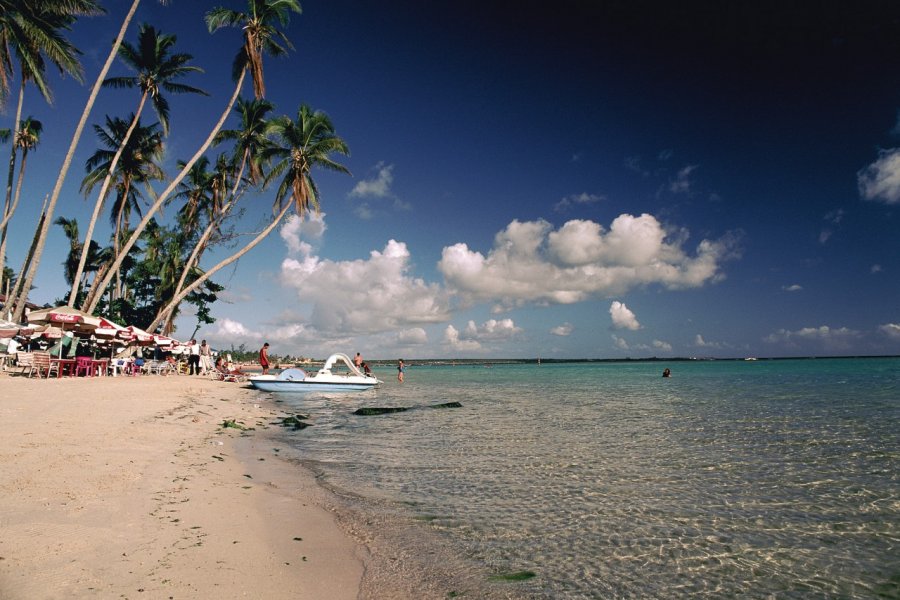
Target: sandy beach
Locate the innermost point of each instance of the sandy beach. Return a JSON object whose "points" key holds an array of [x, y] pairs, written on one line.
{"points": [[130, 487]]}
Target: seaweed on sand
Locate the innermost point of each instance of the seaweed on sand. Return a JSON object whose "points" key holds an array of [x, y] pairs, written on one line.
{"points": [[384, 410], [295, 421]]}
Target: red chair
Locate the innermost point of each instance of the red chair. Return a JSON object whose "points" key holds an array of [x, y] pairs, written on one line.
{"points": [[84, 366]]}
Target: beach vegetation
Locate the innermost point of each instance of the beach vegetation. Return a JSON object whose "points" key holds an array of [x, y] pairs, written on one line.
{"points": [[156, 70], [150, 268], [514, 576], [231, 423]]}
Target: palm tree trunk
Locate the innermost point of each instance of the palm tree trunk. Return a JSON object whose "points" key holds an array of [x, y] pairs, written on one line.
{"points": [[19, 310], [7, 210], [98, 206], [162, 197], [17, 290], [15, 203], [200, 246], [224, 263]]}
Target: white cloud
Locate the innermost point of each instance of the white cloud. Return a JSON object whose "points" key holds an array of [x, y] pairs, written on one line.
{"points": [[880, 181], [833, 338], [792, 288], [875, 269], [453, 340], [415, 336], [577, 200], [701, 343], [892, 330], [296, 229], [621, 343], [531, 263], [376, 187], [365, 296], [563, 330], [661, 345], [364, 211], [622, 317], [682, 182]]}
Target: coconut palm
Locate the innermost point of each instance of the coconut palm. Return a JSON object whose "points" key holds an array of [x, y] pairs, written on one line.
{"points": [[298, 147], [156, 70], [260, 34], [30, 36], [138, 163], [27, 138]]}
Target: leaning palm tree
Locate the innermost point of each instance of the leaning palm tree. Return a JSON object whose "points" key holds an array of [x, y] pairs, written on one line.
{"points": [[249, 140], [27, 138], [34, 257], [156, 70], [31, 35], [299, 147], [260, 36], [136, 162]]}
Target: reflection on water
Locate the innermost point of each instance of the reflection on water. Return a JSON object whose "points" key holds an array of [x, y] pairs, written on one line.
{"points": [[729, 479]]}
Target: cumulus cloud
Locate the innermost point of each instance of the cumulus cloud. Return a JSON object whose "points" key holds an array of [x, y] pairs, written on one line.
{"points": [[661, 345], [563, 330], [476, 337], [365, 296], [880, 181], [453, 340], [375, 187], [581, 199], [620, 343], [892, 330], [297, 229], [622, 317], [530, 262], [792, 288], [415, 336], [829, 337]]}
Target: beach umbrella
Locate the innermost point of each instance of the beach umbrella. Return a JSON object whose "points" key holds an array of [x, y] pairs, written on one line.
{"points": [[67, 317], [8, 329], [139, 336], [108, 329]]}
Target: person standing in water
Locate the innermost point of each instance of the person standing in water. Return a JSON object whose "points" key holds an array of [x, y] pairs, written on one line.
{"points": [[400, 370]]}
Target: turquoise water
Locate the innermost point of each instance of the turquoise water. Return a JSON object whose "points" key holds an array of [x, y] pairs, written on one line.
{"points": [[753, 479]]}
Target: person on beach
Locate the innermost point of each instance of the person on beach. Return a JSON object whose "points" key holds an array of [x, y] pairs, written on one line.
{"points": [[400, 370], [358, 361], [205, 358], [194, 358], [667, 372], [264, 358]]}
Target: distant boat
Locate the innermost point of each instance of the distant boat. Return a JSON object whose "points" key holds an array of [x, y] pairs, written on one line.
{"points": [[751, 358], [297, 380]]}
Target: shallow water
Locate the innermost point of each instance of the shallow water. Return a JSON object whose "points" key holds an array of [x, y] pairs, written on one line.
{"points": [[752, 479]]}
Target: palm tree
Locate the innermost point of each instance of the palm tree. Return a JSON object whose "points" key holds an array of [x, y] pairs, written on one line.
{"points": [[138, 163], [27, 138], [249, 140], [299, 147], [259, 36], [34, 255], [156, 70], [30, 35]]}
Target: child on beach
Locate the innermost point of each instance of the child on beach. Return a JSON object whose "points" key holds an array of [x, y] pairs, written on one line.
{"points": [[400, 370]]}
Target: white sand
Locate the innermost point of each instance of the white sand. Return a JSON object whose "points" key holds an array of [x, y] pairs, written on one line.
{"points": [[129, 487]]}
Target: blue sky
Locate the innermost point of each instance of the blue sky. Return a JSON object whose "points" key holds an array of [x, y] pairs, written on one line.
{"points": [[578, 179]]}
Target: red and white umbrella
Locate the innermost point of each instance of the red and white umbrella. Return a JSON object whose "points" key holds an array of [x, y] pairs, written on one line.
{"points": [[65, 316], [139, 336]]}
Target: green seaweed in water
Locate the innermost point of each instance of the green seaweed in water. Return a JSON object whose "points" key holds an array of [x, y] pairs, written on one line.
{"points": [[297, 422], [516, 576]]}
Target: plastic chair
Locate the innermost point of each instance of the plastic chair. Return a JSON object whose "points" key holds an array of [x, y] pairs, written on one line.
{"points": [[84, 366]]}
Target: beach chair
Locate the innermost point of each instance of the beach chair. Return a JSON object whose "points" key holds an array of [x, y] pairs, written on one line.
{"points": [[84, 365], [25, 360], [43, 365]]}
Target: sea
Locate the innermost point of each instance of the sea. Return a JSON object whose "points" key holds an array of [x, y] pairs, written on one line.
{"points": [[749, 479]]}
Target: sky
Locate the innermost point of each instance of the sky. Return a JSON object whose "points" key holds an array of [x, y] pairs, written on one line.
{"points": [[560, 180]]}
